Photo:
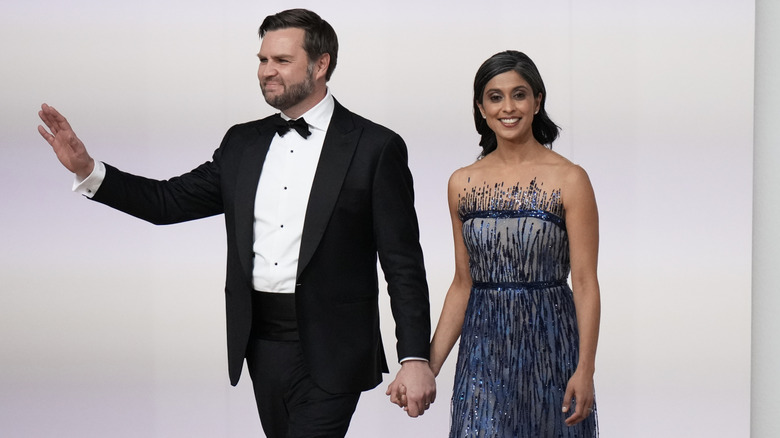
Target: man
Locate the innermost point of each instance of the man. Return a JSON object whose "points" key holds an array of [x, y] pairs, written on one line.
{"points": [[308, 205]]}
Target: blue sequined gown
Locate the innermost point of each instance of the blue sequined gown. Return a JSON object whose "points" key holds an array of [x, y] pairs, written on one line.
{"points": [[519, 344]]}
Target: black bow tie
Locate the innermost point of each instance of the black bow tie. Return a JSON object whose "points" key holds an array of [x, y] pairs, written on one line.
{"points": [[283, 126]]}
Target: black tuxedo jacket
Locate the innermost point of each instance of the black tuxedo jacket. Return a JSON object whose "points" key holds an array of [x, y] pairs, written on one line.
{"points": [[361, 205]]}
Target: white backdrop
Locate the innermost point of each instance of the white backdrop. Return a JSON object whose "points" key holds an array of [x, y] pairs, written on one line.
{"points": [[113, 327]]}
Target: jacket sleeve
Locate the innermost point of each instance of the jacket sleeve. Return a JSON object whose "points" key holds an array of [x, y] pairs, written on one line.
{"points": [[398, 244], [193, 195]]}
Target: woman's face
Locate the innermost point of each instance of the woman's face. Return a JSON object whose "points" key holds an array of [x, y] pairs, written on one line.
{"points": [[508, 105]]}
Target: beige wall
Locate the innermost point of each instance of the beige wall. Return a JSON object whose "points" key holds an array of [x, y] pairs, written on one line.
{"points": [[766, 215]]}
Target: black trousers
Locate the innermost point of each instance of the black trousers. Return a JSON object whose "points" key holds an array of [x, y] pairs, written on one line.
{"points": [[290, 404]]}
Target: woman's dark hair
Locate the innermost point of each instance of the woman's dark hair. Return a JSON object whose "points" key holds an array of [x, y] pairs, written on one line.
{"points": [[320, 37], [544, 130]]}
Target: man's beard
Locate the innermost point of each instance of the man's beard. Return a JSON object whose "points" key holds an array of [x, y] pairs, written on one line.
{"points": [[294, 93]]}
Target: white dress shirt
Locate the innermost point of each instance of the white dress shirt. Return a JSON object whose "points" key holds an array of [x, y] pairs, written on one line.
{"points": [[281, 200]]}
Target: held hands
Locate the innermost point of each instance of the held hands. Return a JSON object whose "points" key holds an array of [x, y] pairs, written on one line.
{"points": [[69, 149], [414, 387], [580, 388]]}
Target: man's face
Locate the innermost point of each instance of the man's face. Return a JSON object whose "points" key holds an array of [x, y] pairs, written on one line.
{"points": [[285, 73]]}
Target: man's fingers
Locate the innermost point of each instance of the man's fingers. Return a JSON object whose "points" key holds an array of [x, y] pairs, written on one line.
{"points": [[46, 115], [418, 404], [53, 128], [397, 394], [53, 119], [413, 410], [45, 134]]}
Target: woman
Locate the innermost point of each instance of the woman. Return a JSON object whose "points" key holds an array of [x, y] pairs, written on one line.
{"points": [[523, 217]]}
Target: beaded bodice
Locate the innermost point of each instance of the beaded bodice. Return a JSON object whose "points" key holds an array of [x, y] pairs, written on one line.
{"points": [[514, 234]]}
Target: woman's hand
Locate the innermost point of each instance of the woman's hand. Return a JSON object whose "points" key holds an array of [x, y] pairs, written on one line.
{"points": [[580, 389]]}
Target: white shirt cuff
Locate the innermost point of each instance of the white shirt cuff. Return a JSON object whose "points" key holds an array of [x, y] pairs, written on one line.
{"points": [[89, 185], [412, 358]]}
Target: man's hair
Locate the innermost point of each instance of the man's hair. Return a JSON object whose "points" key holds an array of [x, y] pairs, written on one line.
{"points": [[320, 37]]}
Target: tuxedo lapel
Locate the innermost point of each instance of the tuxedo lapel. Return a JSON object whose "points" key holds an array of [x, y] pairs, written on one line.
{"points": [[247, 179], [337, 151]]}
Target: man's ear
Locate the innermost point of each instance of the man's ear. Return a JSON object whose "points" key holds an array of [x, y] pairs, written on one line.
{"points": [[321, 66]]}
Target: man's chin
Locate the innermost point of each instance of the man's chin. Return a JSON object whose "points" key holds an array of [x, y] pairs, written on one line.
{"points": [[275, 105], [274, 102]]}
